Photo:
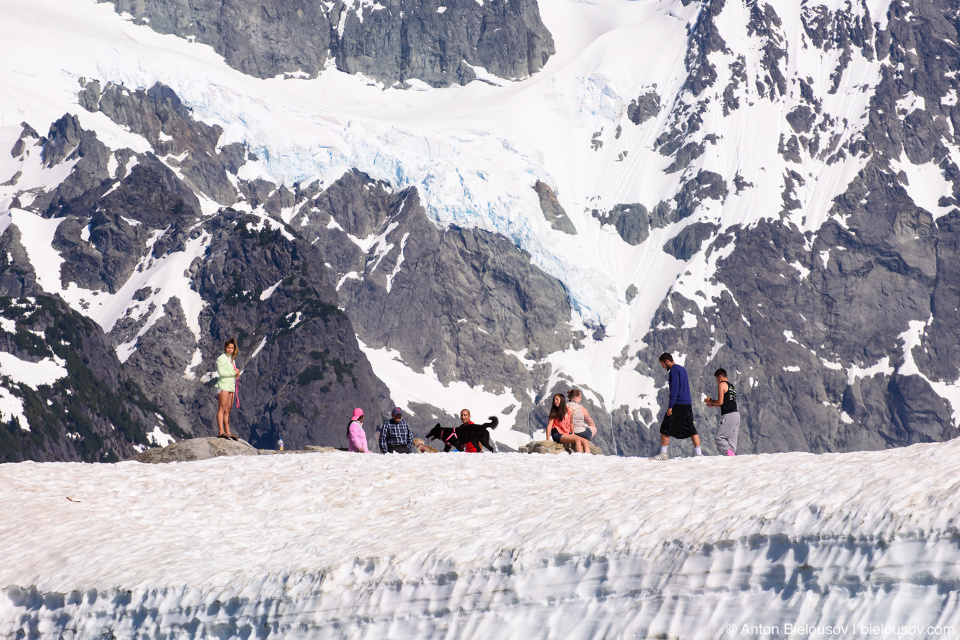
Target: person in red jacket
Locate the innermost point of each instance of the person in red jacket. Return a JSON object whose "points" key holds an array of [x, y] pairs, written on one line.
{"points": [[465, 419]]}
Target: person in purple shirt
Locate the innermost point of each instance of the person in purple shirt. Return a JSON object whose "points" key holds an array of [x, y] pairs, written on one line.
{"points": [[678, 421]]}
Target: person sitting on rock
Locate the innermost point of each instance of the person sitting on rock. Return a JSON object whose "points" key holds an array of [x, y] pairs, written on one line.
{"points": [[583, 425], [356, 438], [395, 436], [226, 388], [560, 425]]}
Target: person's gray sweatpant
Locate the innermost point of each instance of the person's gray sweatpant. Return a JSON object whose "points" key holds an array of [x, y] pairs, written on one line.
{"points": [[727, 431]]}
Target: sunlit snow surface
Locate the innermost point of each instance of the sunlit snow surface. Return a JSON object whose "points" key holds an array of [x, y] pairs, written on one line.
{"points": [[493, 546]]}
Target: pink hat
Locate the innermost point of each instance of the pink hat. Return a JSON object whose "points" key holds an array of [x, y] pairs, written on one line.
{"points": [[357, 414]]}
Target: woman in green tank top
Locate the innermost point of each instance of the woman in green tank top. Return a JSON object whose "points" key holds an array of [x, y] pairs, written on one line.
{"points": [[226, 387]]}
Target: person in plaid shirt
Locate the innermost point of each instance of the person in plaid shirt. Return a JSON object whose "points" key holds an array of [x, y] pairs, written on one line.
{"points": [[395, 436]]}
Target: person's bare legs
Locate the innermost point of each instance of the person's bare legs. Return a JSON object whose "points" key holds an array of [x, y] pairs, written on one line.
{"points": [[585, 444], [225, 401], [696, 440], [226, 418], [577, 442]]}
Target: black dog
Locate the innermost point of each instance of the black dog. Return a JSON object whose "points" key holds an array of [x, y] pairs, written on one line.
{"points": [[459, 436]]}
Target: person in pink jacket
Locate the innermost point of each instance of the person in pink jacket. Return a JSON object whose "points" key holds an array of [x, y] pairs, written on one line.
{"points": [[356, 438]]}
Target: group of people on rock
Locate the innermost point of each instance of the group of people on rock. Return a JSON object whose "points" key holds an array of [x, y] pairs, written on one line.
{"points": [[568, 422]]}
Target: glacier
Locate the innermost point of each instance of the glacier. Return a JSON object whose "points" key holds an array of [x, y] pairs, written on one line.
{"points": [[339, 545]]}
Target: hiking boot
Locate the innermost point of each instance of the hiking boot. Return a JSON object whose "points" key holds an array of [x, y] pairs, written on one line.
{"points": [[661, 456]]}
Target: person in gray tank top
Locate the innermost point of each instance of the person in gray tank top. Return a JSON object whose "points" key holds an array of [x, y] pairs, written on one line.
{"points": [[726, 401], [583, 424]]}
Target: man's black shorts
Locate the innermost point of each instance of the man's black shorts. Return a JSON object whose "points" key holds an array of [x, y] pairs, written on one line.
{"points": [[680, 423]]}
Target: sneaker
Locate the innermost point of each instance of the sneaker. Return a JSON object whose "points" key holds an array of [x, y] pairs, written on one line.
{"points": [[730, 452], [661, 456], [696, 455]]}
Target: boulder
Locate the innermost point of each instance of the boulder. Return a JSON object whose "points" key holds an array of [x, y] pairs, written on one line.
{"points": [[197, 449]]}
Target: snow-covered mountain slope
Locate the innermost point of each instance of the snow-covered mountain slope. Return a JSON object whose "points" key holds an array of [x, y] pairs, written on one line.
{"points": [[763, 186], [489, 546]]}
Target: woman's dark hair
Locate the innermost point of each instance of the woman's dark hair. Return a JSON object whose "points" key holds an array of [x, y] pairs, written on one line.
{"points": [[558, 412], [236, 349], [573, 393]]}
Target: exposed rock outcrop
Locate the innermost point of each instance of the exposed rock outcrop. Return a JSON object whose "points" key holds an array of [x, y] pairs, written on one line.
{"points": [[393, 41], [196, 449]]}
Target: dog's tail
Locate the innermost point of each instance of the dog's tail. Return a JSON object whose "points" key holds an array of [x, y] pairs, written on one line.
{"points": [[493, 422]]}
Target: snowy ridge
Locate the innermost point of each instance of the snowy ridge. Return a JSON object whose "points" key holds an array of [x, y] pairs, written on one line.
{"points": [[352, 546]]}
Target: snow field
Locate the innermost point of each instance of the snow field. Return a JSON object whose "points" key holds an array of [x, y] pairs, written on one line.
{"points": [[486, 546]]}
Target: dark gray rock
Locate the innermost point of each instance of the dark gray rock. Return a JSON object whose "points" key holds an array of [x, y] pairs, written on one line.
{"points": [[632, 222], [94, 413], [765, 24], [643, 108], [159, 116], [393, 41], [801, 119], [233, 156], [705, 39], [705, 185], [504, 301], [67, 141], [685, 244], [63, 138], [17, 276], [552, 210], [20, 146], [89, 95], [151, 198], [309, 372]]}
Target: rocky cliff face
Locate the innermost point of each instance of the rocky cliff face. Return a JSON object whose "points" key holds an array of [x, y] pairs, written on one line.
{"points": [[466, 303], [841, 335], [130, 227], [83, 407], [438, 42]]}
